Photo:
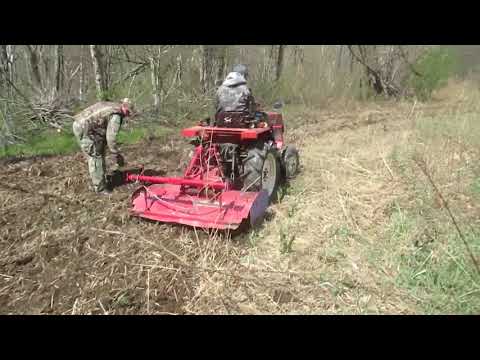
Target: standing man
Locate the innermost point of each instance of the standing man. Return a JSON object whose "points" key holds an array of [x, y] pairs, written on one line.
{"points": [[98, 126]]}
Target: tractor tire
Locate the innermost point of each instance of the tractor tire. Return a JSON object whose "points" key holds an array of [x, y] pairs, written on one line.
{"points": [[262, 171], [290, 162]]}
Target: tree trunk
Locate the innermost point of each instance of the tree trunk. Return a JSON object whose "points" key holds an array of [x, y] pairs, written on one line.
{"points": [[271, 62], [27, 68], [155, 83], [298, 58], [35, 68], [11, 62], [107, 65], [99, 70], [220, 62], [265, 65], [81, 91], [179, 70], [59, 68], [6, 75], [339, 57], [45, 60], [279, 62], [4, 64], [298, 55], [206, 70]]}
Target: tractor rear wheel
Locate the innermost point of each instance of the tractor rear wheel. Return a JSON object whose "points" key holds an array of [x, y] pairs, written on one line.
{"points": [[262, 171]]}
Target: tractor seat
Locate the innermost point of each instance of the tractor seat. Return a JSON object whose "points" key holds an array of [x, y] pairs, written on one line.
{"points": [[233, 119]]}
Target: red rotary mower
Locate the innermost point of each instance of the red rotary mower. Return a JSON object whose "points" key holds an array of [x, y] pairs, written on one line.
{"points": [[234, 173]]}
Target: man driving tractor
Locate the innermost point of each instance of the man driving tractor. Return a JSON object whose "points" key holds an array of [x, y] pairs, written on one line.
{"points": [[234, 96], [95, 127]]}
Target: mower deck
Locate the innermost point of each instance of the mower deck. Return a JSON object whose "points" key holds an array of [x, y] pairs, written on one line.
{"points": [[226, 210]]}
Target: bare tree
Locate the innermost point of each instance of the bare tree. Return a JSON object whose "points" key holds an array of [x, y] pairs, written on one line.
{"points": [[45, 59], [33, 57], [159, 67], [179, 70], [99, 69], [265, 65], [4, 91], [11, 61], [7, 61], [220, 62], [340, 56], [59, 68], [206, 72], [4, 71], [298, 54], [81, 86], [109, 56], [273, 60], [279, 62], [377, 69], [154, 70]]}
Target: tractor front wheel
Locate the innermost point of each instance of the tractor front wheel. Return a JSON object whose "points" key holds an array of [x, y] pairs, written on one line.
{"points": [[262, 171], [290, 162]]}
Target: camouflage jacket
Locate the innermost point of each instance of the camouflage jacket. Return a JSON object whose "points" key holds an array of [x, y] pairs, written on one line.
{"points": [[102, 121], [234, 95]]}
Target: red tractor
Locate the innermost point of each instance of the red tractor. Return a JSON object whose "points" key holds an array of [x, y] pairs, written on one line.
{"points": [[234, 173]]}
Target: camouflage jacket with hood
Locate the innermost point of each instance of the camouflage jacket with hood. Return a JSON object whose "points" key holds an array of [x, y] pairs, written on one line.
{"points": [[101, 121], [234, 95]]}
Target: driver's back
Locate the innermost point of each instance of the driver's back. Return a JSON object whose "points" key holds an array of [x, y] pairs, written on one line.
{"points": [[235, 96]]}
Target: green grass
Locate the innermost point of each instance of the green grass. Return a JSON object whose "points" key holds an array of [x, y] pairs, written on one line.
{"points": [[475, 187], [48, 143], [286, 240], [53, 143], [442, 276], [436, 272], [401, 225], [422, 245], [431, 260]]}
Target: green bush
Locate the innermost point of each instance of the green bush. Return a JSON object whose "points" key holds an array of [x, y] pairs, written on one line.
{"points": [[436, 66]]}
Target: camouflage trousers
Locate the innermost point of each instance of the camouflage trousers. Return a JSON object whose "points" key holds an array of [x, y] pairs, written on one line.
{"points": [[94, 150]]}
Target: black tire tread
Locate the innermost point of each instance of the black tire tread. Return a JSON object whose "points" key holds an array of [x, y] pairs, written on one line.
{"points": [[290, 151], [253, 169]]}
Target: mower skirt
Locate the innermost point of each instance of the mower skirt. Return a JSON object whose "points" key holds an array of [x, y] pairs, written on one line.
{"points": [[226, 210]]}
